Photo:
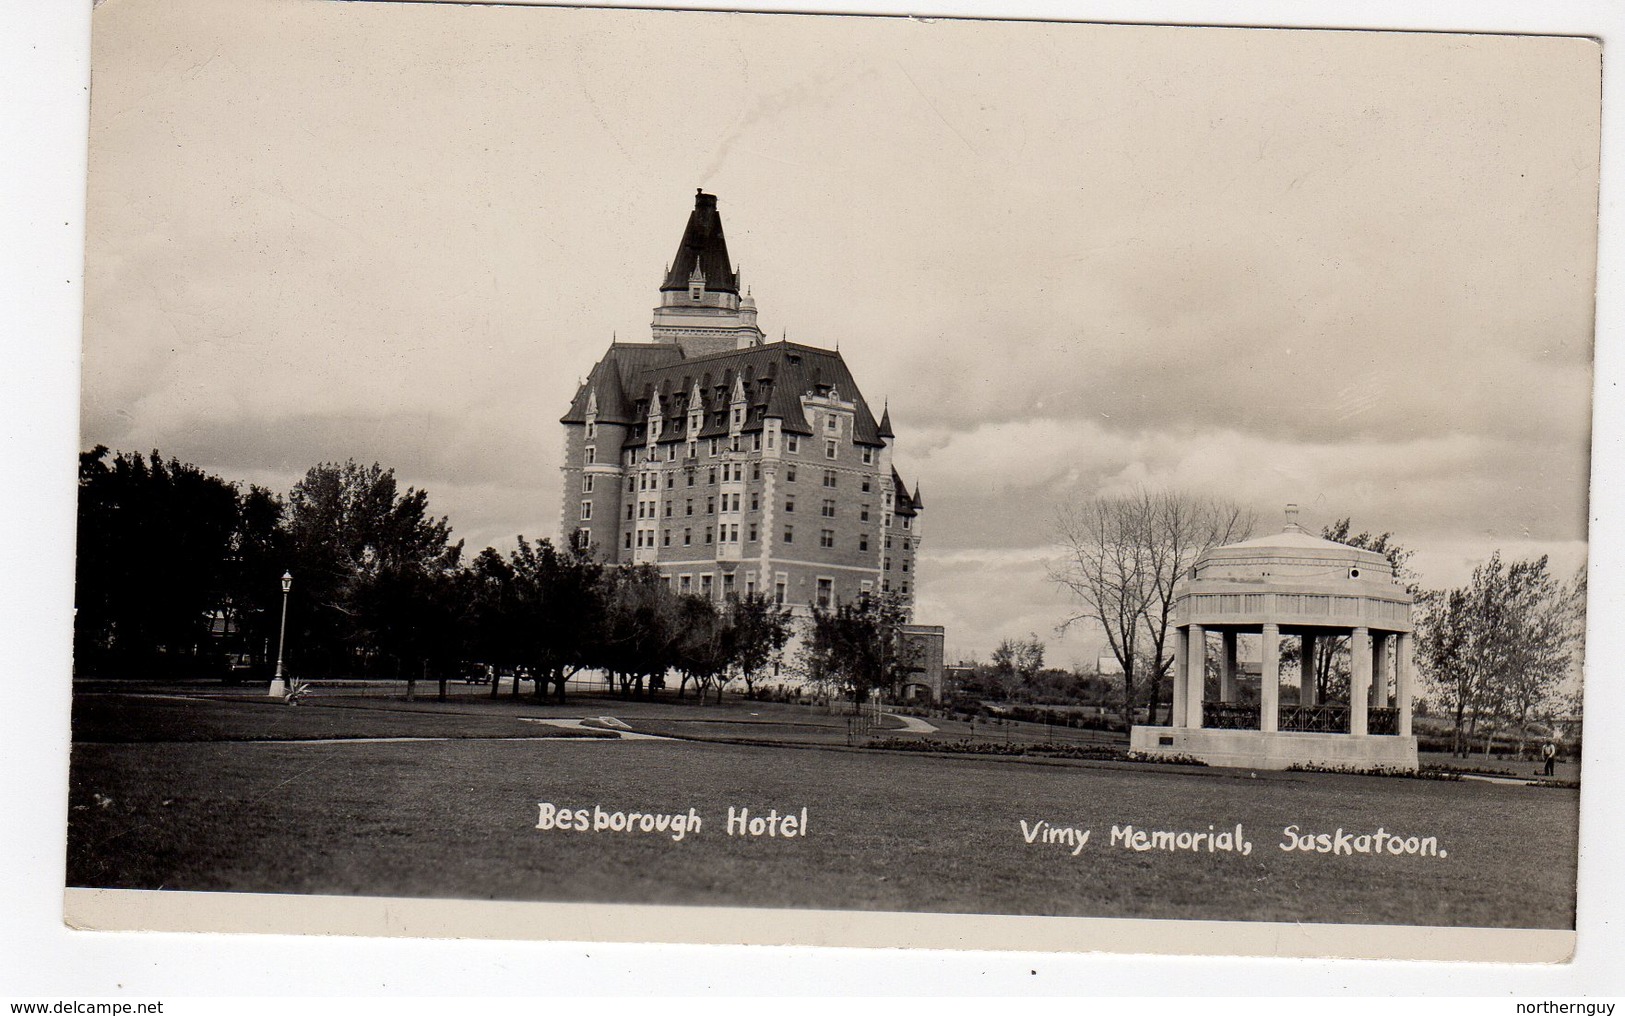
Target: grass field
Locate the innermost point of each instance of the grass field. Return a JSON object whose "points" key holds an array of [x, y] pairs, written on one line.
{"points": [[187, 793]]}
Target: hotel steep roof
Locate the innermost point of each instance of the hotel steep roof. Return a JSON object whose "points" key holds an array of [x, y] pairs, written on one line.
{"points": [[775, 375]]}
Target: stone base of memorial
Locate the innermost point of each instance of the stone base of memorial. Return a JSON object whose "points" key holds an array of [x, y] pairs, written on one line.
{"points": [[1255, 749]]}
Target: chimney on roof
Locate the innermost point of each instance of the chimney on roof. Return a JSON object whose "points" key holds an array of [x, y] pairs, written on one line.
{"points": [[1292, 520]]}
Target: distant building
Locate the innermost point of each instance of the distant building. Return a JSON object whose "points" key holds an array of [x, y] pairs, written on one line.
{"points": [[732, 464], [925, 642]]}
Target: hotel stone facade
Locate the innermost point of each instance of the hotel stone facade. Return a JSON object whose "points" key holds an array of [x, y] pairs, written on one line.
{"points": [[732, 464]]}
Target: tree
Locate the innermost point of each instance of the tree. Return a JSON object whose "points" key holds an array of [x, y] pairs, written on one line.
{"points": [[1122, 557], [1016, 664], [858, 647], [704, 645], [761, 630], [350, 529], [1498, 648], [641, 629], [153, 571], [558, 611]]}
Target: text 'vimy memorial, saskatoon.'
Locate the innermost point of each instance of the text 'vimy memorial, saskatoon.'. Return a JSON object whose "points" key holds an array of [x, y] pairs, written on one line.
{"points": [[717, 682]]}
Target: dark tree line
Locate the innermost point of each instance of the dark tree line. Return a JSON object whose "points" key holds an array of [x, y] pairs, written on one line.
{"points": [[179, 574]]}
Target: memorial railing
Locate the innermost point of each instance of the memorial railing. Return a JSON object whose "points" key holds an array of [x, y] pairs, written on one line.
{"points": [[1321, 719]]}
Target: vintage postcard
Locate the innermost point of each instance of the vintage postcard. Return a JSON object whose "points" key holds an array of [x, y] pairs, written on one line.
{"points": [[647, 475]]}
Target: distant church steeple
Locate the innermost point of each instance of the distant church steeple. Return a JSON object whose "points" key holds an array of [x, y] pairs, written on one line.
{"points": [[700, 309]]}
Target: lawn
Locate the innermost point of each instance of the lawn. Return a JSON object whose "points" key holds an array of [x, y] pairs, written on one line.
{"points": [[887, 831]]}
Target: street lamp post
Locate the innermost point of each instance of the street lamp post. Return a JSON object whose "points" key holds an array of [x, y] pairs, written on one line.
{"points": [[279, 687]]}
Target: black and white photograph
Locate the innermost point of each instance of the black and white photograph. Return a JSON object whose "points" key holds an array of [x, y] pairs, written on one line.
{"points": [[676, 468]]}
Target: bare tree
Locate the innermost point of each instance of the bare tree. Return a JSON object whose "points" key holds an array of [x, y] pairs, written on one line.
{"points": [[1122, 558]]}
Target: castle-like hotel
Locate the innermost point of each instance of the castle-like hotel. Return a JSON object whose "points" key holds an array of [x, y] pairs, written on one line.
{"points": [[732, 464]]}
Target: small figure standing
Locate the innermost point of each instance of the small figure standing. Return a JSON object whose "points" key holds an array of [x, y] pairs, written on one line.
{"points": [[1548, 752]]}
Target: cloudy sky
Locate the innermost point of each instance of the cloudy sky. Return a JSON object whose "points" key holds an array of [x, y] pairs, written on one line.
{"points": [[1351, 270]]}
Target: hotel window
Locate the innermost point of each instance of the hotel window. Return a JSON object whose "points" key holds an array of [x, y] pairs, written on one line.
{"points": [[863, 513], [643, 481], [688, 507], [770, 441], [826, 591], [586, 511], [778, 591], [863, 541], [733, 534], [631, 484], [789, 504], [690, 472], [584, 537], [754, 502], [739, 416], [868, 455], [829, 449], [866, 587], [671, 480], [831, 424], [750, 585], [792, 443], [739, 471], [592, 455], [710, 506], [906, 520], [711, 475], [688, 537], [733, 443], [755, 470], [829, 478], [789, 474], [756, 442], [665, 537], [736, 502], [727, 584], [866, 485], [827, 509], [629, 513], [789, 534], [668, 509], [721, 418], [671, 453], [888, 543], [826, 538], [705, 585], [629, 540], [753, 532], [713, 447], [685, 584], [592, 429], [586, 484], [707, 534], [885, 563], [905, 564], [905, 589]]}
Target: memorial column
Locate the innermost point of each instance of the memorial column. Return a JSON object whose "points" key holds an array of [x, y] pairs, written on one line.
{"points": [[1195, 676], [1269, 680], [1359, 679]]}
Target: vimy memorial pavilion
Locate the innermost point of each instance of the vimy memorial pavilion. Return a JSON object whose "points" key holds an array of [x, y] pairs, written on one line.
{"points": [[1291, 585]]}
